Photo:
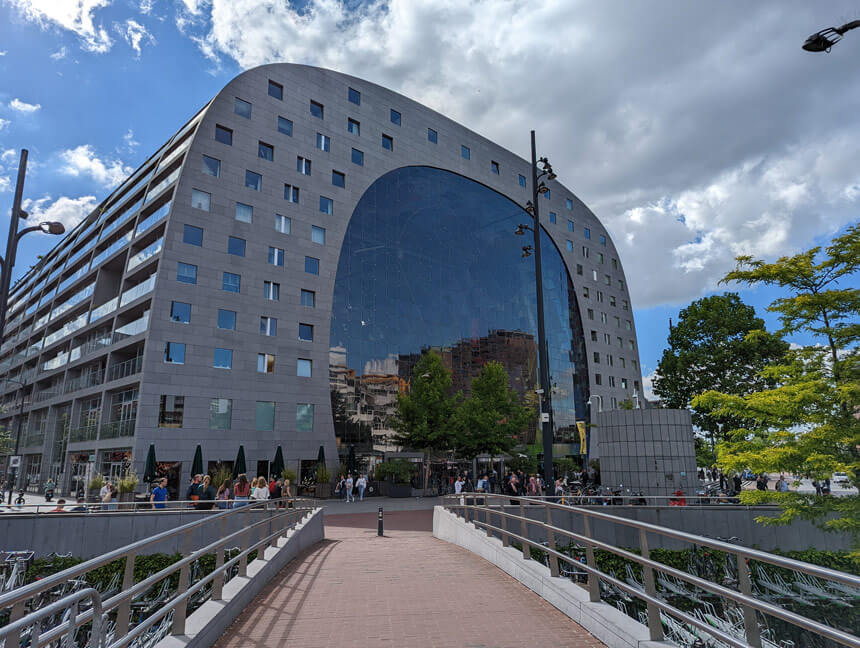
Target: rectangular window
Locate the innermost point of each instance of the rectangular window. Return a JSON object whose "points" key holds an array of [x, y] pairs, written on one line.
{"points": [[220, 414], [271, 291], [600, 257], [200, 199], [318, 235], [587, 233], [579, 269], [268, 326], [494, 167], [615, 264], [180, 312], [603, 318], [546, 194], [222, 358], [326, 205], [276, 256], [620, 343], [432, 136], [304, 417], [353, 126], [303, 165], [338, 179], [594, 336], [598, 379], [253, 181], [226, 319], [186, 273], [607, 339], [323, 142], [174, 352], [306, 332], [522, 179], [612, 300], [590, 314], [223, 135], [585, 292], [612, 381], [609, 360], [317, 109], [354, 96], [395, 117], [607, 280], [628, 325], [309, 298], [596, 357], [211, 166], [304, 368], [569, 245], [552, 217], [192, 235], [624, 304], [621, 284], [231, 282], [265, 363], [235, 246], [170, 411], [244, 213], [623, 364], [631, 345], [570, 226], [265, 416], [624, 383], [465, 152], [568, 203], [312, 265], [357, 157], [285, 126], [291, 193], [282, 224], [266, 151], [599, 296], [603, 240], [585, 251], [241, 108], [387, 142], [276, 90]]}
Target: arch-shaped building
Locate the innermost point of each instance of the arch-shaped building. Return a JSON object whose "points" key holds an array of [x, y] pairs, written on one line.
{"points": [[271, 274]]}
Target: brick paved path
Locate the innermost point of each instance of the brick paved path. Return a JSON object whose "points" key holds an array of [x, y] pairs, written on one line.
{"points": [[406, 589]]}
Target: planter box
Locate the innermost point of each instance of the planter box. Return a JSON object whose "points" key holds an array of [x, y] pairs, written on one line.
{"points": [[395, 490], [323, 491]]}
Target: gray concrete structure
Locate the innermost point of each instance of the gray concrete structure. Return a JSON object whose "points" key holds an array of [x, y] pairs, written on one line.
{"points": [[88, 326]]}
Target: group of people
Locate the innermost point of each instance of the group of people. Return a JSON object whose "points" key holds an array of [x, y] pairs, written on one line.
{"points": [[347, 487], [203, 495]]}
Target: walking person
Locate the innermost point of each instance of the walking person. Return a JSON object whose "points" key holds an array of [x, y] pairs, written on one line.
{"points": [[158, 497], [207, 494], [192, 494], [348, 486], [361, 484], [261, 489], [340, 489]]}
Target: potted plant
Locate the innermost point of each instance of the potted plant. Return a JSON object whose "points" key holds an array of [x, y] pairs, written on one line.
{"points": [[95, 486], [127, 485], [323, 489], [395, 477]]}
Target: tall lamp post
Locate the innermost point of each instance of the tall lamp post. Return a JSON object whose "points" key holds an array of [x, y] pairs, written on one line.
{"points": [[540, 168], [13, 478], [825, 39]]}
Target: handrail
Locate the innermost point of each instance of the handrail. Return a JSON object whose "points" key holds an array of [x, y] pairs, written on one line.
{"points": [[115, 507], [73, 622]]}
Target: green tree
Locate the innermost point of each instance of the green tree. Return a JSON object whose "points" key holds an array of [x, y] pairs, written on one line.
{"points": [[718, 344], [493, 417]]}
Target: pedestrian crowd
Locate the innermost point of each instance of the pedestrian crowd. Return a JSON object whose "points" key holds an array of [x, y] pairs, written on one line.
{"points": [[203, 496], [347, 487]]}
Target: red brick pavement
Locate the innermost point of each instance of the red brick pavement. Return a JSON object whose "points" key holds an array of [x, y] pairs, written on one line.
{"points": [[405, 589]]}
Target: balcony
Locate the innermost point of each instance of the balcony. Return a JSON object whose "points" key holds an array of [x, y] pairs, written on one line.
{"points": [[34, 437], [112, 249], [117, 429], [90, 379], [105, 309], [144, 255], [67, 329], [155, 217], [47, 394], [139, 290], [132, 328], [84, 433], [125, 369]]}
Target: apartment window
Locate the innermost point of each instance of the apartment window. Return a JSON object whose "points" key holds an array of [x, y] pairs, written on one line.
{"points": [[615, 264], [624, 304], [636, 385], [612, 381], [323, 142], [494, 167], [231, 282], [357, 157], [291, 193], [594, 336], [266, 151], [241, 108], [522, 179], [620, 342], [607, 280], [630, 344], [170, 411], [271, 291], [303, 165], [585, 251], [276, 256], [268, 326], [220, 414], [180, 312], [607, 339], [395, 117], [226, 319], [635, 364], [253, 181], [599, 297], [285, 126], [306, 332], [174, 352], [552, 217], [318, 235], [623, 363], [304, 367], [585, 292], [200, 199], [282, 224], [309, 298], [568, 203], [609, 360], [338, 179], [235, 246], [621, 284], [569, 245], [354, 96], [432, 136], [211, 166], [312, 265], [192, 235], [222, 358], [546, 194], [612, 300], [276, 90], [587, 233], [465, 152], [326, 205], [266, 363], [603, 317], [265, 416], [594, 275], [579, 269], [304, 417], [600, 257], [317, 109], [223, 135], [598, 379], [244, 213], [613, 402], [353, 126], [387, 142], [603, 240], [186, 273], [628, 325], [624, 383], [590, 314], [596, 357]]}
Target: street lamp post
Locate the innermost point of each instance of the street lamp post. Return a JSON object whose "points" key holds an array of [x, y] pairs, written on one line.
{"points": [[13, 478], [823, 40]]}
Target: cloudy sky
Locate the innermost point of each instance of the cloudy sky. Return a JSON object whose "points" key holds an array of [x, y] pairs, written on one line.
{"points": [[695, 131]]}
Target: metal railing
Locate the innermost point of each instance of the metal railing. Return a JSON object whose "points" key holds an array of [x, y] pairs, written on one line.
{"points": [[117, 429], [252, 536], [483, 509], [84, 433], [143, 506], [125, 368]]}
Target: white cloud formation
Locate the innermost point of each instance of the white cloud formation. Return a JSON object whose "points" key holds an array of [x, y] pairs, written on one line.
{"points": [[8, 165], [68, 211], [2, 52], [135, 35], [60, 54], [129, 143], [23, 106], [145, 6], [4, 123], [82, 161], [75, 16]]}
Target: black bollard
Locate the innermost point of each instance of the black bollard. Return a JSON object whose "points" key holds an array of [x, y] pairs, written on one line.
{"points": [[379, 528]]}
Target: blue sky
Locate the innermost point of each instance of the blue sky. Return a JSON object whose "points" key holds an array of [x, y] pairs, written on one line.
{"points": [[694, 132]]}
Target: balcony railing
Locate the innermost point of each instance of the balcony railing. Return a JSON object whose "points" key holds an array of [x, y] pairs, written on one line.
{"points": [[47, 394], [132, 328], [59, 360], [75, 299], [132, 208], [125, 369], [105, 309], [84, 381], [153, 218], [139, 290], [35, 437], [145, 254], [84, 433], [67, 329], [116, 429], [161, 186], [112, 249]]}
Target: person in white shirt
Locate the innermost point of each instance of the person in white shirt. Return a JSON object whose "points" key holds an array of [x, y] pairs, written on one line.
{"points": [[348, 486], [458, 486], [361, 484], [260, 490]]}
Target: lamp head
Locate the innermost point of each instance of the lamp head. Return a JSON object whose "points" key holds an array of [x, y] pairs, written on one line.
{"points": [[521, 230], [822, 41], [53, 227], [551, 176], [530, 208], [542, 188], [527, 251]]}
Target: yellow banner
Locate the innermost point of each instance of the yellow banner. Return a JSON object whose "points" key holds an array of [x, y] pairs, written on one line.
{"points": [[583, 445]]}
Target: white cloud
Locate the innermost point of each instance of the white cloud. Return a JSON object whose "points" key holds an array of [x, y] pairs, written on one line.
{"points": [[60, 54], [135, 35], [129, 143], [4, 123], [75, 16], [2, 52], [83, 161], [68, 211], [145, 6], [23, 106]]}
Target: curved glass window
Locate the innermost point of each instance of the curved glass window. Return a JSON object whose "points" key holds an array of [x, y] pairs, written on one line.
{"points": [[430, 261]]}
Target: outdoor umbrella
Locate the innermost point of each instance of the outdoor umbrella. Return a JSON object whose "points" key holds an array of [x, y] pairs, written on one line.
{"points": [[321, 456], [149, 471], [278, 463], [350, 460], [197, 464], [239, 464]]}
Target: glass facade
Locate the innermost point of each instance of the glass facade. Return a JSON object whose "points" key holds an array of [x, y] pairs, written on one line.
{"points": [[430, 261]]}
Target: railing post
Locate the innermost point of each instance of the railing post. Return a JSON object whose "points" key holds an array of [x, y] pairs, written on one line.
{"points": [[487, 515], [243, 561], [655, 626], [593, 579], [181, 609], [220, 579], [18, 611], [124, 610], [524, 531], [753, 634], [505, 540], [550, 540]]}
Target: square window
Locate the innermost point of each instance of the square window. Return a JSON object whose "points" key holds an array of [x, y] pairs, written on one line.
{"points": [[338, 179], [395, 117], [226, 319], [309, 298], [387, 142], [304, 367], [570, 226], [494, 167], [192, 235], [222, 358], [326, 205], [465, 152], [318, 235], [303, 165], [211, 166], [312, 265], [353, 126], [268, 326], [323, 142], [317, 109], [244, 213], [266, 363], [285, 126], [552, 217], [200, 199], [174, 352], [235, 246], [354, 96], [276, 256], [357, 157], [569, 245], [432, 136], [291, 193], [568, 203], [282, 224], [276, 90], [186, 273], [241, 108], [180, 312], [265, 416], [223, 135], [594, 336], [304, 417], [306, 332], [271, 291], [170, 411], [587, 233], [231, 282], [220, 414], [253, 181], [266, 151], [522, 179]]}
